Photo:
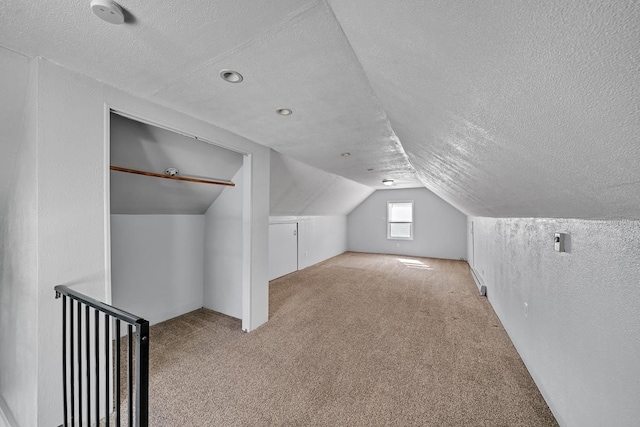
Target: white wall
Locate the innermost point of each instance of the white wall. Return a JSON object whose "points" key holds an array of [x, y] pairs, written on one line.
{"points": [[439, 228], [157, 264], [223, 240], [319, 237], [318, 201], [71, 215], [581, 338], [18, 241]]}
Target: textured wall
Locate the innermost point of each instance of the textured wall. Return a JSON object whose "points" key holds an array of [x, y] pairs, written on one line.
{"points": [[73, 210], [581, 337], [157, 264], [439, 228], [18, 241]]}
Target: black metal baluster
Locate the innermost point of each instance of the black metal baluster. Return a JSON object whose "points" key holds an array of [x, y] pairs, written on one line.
{"points": [[79, 338], [73, 349], [117, 394], [107, 408], [72, 381], [142, 373], [96, 360], [64, 358], [130, 372], [87, 358]]}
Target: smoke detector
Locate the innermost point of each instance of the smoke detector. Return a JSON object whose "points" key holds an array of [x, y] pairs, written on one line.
{"points": [[108, 10]]}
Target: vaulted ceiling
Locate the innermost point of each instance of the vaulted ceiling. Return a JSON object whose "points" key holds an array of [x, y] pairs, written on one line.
{"points": [[505, 108]]}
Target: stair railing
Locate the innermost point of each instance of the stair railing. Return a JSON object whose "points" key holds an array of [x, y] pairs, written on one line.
{"points": [[85, 360]]}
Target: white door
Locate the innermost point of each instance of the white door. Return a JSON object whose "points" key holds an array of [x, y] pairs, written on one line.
{"points": [[283, 249]]}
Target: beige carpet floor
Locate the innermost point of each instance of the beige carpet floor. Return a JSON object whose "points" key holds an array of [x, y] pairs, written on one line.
{"points": [[357, 340]]}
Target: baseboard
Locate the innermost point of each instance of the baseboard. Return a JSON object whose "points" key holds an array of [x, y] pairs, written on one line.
{"points": [[156, 318], [481, 286], [6, 418], [178, 311], [534, 375]]}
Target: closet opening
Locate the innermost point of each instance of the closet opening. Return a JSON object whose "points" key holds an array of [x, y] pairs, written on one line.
{"points": [[178, 212]]}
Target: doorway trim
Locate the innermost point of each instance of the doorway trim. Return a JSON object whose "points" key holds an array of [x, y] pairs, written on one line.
{"points": [[246, 204]]}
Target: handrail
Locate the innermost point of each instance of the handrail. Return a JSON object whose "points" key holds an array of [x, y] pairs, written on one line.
{"points": [[81, 353], [105, 308]]}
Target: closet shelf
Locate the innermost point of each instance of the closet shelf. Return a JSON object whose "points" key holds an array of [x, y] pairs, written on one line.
{"points": [[175, 177]]}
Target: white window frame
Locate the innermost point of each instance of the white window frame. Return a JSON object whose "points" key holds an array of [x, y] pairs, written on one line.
{"points": [[389, 222]]}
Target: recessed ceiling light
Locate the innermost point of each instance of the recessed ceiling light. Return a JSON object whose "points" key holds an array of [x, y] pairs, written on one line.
{"points": [[284, 111], [345, 154], [108, 10], [387, 182], [231, 76]]}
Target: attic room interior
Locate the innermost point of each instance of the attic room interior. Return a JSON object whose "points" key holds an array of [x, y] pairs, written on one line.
{"points": [[429, 212]]}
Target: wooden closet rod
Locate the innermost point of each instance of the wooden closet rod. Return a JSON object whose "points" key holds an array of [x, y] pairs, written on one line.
{"points": [[176, 177]]}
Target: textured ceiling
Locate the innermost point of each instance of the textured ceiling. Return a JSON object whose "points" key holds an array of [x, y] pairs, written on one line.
{"points": [[506, 108], [136, 145], [510, 108]]}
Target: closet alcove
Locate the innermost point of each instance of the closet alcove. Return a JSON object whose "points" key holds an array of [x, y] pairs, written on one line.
{"points": [[176, 245]]}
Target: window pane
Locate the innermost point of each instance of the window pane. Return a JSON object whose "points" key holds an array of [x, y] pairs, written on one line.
{"points": [[401, 212], [400, 230]]}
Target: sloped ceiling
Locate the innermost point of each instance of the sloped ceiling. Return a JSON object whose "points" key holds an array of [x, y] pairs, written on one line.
{"points": [[510, 108], [299, 189], [506, 108], [140, 146]]}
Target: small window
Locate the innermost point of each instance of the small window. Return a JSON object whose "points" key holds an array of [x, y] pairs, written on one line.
{"points": [[400, 220]]}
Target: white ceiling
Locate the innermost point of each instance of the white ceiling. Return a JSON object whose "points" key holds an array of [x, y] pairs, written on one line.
{"points": [[511, 108], [299, 189], [506, 108], [140, 146]]}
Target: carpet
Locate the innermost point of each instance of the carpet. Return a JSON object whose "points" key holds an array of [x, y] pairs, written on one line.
{"points": [[357, 340]]}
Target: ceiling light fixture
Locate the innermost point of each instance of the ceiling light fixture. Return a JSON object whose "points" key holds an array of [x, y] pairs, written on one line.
{"points": [[387, 182], [108, 10], [345, 154], [231, 76], [284, 111]]}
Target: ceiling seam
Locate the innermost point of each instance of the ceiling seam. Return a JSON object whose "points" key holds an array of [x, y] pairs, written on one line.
{"points": [[374, 95], [17, 52]]}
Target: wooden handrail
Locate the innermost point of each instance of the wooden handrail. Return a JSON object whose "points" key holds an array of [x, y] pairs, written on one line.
{"points": [[175, 177]]}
